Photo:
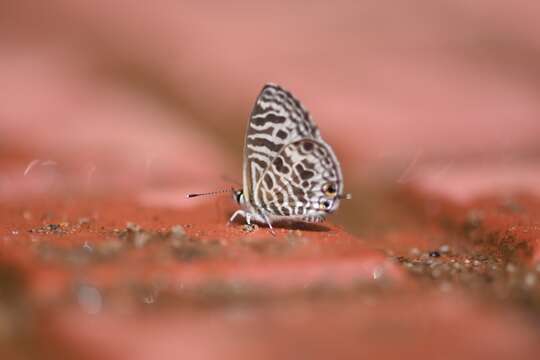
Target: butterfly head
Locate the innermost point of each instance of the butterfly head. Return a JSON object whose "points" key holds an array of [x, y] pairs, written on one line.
{"points": [[238, 196]]}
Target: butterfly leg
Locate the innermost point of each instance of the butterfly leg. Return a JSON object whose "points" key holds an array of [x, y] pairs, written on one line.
{"points": [[267, 221], [246, 215], [238, 213]]}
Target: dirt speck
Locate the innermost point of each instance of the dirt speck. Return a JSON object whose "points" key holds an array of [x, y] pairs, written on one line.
{"points": [[249, 227]]}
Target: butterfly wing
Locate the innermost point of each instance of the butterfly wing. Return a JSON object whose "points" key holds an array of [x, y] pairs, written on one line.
{"points": [[277, 120], [304, 182], [287, 165]]}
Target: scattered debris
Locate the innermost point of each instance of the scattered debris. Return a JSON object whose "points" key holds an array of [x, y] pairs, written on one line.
{"points": [[444, 249], [59, 229], [141, 239], [84, 221], [249, 227], [133, 227], [178, 231], [149, 299]]}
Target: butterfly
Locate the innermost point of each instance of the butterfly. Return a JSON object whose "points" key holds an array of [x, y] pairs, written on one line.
{"points": [[289, 172]]}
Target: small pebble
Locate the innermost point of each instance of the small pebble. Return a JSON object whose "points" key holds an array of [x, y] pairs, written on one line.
{"points": [[84, 221], [141, 239], [149, 299], [133, 227], [178, 231], [444, 248], [510, 268], [378, 272], [249, 227], [530, 279], [434, 254], [87, 247], [414, 251], [467, 261], [476, 263]]}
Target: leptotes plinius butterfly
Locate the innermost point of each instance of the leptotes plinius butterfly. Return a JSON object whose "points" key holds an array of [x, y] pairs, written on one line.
{"points": [[290, 173]]}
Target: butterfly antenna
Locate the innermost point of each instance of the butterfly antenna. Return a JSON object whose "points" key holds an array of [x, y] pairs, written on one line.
{"points": [[210, 193]]}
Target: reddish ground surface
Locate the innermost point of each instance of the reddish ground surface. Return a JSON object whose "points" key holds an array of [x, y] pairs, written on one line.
{"points": [[111, 111], [106, 277]]}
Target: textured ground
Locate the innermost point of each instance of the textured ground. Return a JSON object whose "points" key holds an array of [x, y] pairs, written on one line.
{"points": [[111, 112], [108, 277]]}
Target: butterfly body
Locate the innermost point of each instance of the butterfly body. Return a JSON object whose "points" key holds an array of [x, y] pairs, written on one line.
{"points": [[290, 173]]}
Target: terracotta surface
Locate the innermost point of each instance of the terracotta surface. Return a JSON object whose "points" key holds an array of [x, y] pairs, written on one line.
{"points": [[107, 277], [111, 112]]}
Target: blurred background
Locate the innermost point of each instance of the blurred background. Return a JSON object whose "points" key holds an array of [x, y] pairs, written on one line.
{"points": [[111, 111], [113, 95]]}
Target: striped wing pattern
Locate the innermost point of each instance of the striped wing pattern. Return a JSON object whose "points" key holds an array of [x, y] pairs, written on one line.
{"points": [[288, 168]]}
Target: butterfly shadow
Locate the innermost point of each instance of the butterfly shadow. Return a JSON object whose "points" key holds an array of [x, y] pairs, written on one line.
{"points": [[291, 225], [301, 225]]}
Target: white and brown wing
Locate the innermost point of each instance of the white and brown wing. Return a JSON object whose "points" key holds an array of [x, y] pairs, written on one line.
{"points": [[287, 164]]}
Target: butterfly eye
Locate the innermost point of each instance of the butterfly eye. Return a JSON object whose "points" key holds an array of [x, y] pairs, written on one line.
{"points": [[238, 196], [329, 189]]}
